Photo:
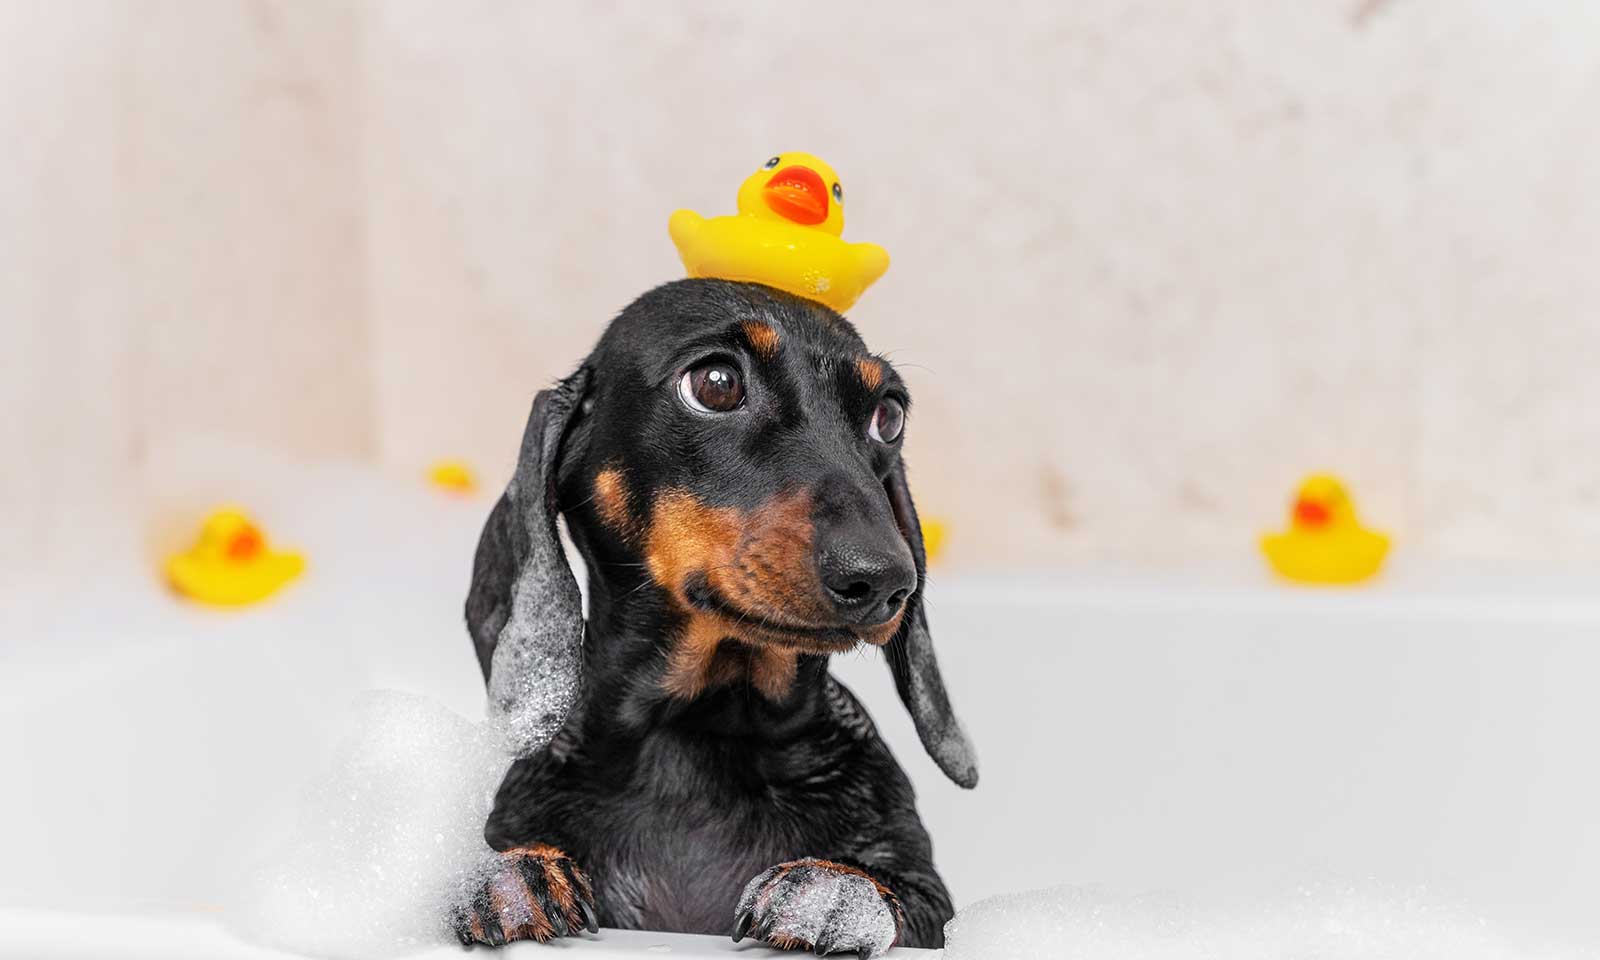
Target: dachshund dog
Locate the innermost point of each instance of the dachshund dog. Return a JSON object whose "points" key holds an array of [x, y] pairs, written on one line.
{"points": [[728, 464]]}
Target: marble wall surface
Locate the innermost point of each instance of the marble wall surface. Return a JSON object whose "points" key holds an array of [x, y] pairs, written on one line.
{"points": [[1152, 261]]}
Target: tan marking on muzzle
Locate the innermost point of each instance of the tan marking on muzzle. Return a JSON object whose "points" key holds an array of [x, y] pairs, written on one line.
{"points": [[759, 562]]}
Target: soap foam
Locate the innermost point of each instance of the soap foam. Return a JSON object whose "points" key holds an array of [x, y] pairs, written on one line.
{"points": [[1329, 923], [388, 840]]}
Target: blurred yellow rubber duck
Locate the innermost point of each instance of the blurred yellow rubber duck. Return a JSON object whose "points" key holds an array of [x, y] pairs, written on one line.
{"points": [[785, 235], [230, 564], [1325, 542], [934, 533], [454, 476]]}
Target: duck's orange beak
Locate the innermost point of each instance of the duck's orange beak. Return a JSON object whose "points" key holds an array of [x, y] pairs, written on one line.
{"points": [[1310, 513], [797, 193], [246, 544]]}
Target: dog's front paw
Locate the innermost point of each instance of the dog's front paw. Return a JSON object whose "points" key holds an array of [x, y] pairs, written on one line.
{"points": [[819, 905], [535, 893]]}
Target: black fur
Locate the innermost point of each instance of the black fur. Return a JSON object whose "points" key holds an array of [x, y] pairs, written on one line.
{"points": [[673, 805]]}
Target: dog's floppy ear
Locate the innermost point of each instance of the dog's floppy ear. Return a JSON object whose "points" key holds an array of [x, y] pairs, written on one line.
{"points": [[523, 609], [910, 655]]}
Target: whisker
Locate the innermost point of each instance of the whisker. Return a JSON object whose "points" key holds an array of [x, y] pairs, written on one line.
{"points": [[584, 501]]}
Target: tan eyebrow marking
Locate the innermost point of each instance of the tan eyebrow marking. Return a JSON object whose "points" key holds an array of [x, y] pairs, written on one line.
{"points": [[870, 371], [762, 337]]}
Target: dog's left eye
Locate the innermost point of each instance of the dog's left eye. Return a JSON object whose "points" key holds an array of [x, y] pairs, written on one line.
{"points": [[887, 421], [712, 387]]}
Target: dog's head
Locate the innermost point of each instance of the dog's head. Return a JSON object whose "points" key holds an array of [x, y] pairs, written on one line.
{"points": [[728, 461]]}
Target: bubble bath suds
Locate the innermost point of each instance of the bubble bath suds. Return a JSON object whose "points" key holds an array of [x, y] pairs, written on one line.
{"points": [[1329, 923], [388, 839]]}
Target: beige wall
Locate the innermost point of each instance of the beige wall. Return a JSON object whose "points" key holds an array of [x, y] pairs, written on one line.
{"points": [[1151, 260], [182, 235]]}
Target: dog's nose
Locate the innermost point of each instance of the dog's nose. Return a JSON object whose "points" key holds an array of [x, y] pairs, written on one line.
{"points": [[866, 584]]}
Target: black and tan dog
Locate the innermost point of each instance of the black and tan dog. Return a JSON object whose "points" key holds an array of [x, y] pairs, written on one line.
{"points": [[728, 464]]}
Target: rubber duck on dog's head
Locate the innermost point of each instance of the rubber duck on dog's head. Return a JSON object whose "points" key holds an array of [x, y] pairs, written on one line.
{"points": [[786, 235]]}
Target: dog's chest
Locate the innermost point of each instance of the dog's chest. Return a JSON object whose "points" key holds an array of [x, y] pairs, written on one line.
{"points": [[680, 869], [682, 843]]}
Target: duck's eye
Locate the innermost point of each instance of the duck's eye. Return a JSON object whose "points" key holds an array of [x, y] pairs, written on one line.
{"points": [[773, 162], [838, 194], [888, 420], [712, 387]]}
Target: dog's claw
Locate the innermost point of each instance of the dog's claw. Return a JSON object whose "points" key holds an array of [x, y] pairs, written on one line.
{"points": [[488, 919], [461, 926], [762, 930], [493, 934], [581, 896], [820, 948], [741, 926]]}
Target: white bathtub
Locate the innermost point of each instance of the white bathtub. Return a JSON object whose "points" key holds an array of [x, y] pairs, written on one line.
{"points": [[1148, 735], [1139, 734]]}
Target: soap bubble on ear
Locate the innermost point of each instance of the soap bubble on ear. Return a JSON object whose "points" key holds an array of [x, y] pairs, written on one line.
{"points": [[388, 839], [1319, 922]]}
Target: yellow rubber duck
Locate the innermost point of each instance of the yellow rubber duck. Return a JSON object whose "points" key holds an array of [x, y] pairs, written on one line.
{"points": [[1325, 542], [230, 564], [934, 533], [456, 476], [785, 235]]}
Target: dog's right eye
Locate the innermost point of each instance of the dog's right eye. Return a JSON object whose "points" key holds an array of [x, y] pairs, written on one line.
{"points": [[712, 387]]}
